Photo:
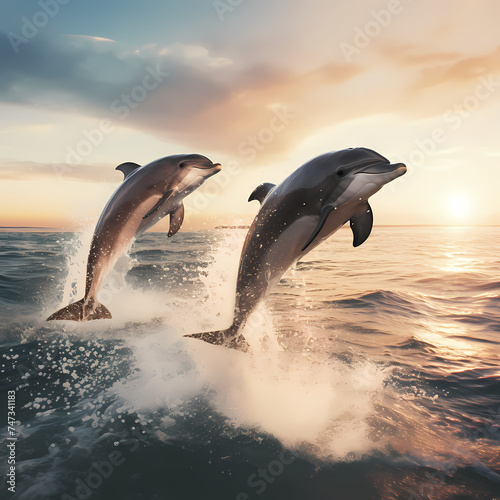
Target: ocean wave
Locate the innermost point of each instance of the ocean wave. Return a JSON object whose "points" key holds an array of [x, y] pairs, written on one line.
{"points": [[367, 374]]}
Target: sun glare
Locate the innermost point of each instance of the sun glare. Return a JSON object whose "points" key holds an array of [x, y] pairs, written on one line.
{"points": [[459, 206]]}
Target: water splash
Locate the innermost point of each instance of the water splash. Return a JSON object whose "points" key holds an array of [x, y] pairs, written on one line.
{"points": [[306, 401]]}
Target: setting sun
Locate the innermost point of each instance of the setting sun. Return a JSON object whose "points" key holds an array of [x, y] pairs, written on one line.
{"points": [[459, 205]]}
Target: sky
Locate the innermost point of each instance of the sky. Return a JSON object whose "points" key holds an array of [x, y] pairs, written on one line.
{"points": [[260, 86]]}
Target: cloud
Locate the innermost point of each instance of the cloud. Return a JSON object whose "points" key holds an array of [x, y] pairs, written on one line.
{"points": [[202, 102], [33, 171], [438, 68], [465, 70], [205, 101], [410, 54]]}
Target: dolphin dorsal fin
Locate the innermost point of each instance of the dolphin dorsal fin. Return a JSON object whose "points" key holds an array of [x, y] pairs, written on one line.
{"points": [[127, 168], [261, 191]]}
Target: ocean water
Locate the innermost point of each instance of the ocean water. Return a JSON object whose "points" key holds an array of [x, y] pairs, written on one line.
{"points": [[374, 372]]}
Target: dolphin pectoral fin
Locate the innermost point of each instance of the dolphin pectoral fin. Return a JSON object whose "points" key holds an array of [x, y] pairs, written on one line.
{"points": [[176, 218], [361, 224], [127, 168], [261, 191], [159, 203], [227, 338], [325, 212]]}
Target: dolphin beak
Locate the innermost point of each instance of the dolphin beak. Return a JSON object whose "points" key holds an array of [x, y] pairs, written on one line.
{"points": [[383, 173], [209, 169], [207, 166], [385, 168]]}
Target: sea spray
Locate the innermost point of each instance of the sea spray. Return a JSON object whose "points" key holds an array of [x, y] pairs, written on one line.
{"points": [[126, 303], [382, 380], [320, 405], [76, 251]]}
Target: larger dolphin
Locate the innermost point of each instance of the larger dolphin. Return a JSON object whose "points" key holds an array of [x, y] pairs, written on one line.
{"points": [[296, 216], [147, 194]]}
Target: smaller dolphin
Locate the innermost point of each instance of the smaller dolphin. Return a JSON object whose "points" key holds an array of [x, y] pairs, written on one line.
{"points": [[297, 215], [146, 195]]}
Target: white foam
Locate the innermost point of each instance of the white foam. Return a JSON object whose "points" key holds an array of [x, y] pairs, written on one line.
{"points": [[76, 253], [312, 402], [125, 303]]}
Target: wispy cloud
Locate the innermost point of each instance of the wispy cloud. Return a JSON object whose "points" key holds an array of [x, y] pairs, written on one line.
{"points": [[210, 102], [33, 171], [204, 102]]}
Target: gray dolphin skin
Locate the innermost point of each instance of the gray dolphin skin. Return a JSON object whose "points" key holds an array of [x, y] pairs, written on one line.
{"points": [[296, 216], [146, 195]]}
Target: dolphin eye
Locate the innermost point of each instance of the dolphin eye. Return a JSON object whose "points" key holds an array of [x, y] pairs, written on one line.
{"points": [[182, 164], [340, 173]]}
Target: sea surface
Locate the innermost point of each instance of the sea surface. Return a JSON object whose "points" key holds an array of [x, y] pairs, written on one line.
{"points": [[374, 371]]}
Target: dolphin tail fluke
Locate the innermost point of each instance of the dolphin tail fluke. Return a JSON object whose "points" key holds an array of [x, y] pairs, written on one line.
{"points": [[79, 311], [227, 338]]}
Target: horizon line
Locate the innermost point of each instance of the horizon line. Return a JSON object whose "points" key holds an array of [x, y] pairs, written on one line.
{"points": [[64, 230]]}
